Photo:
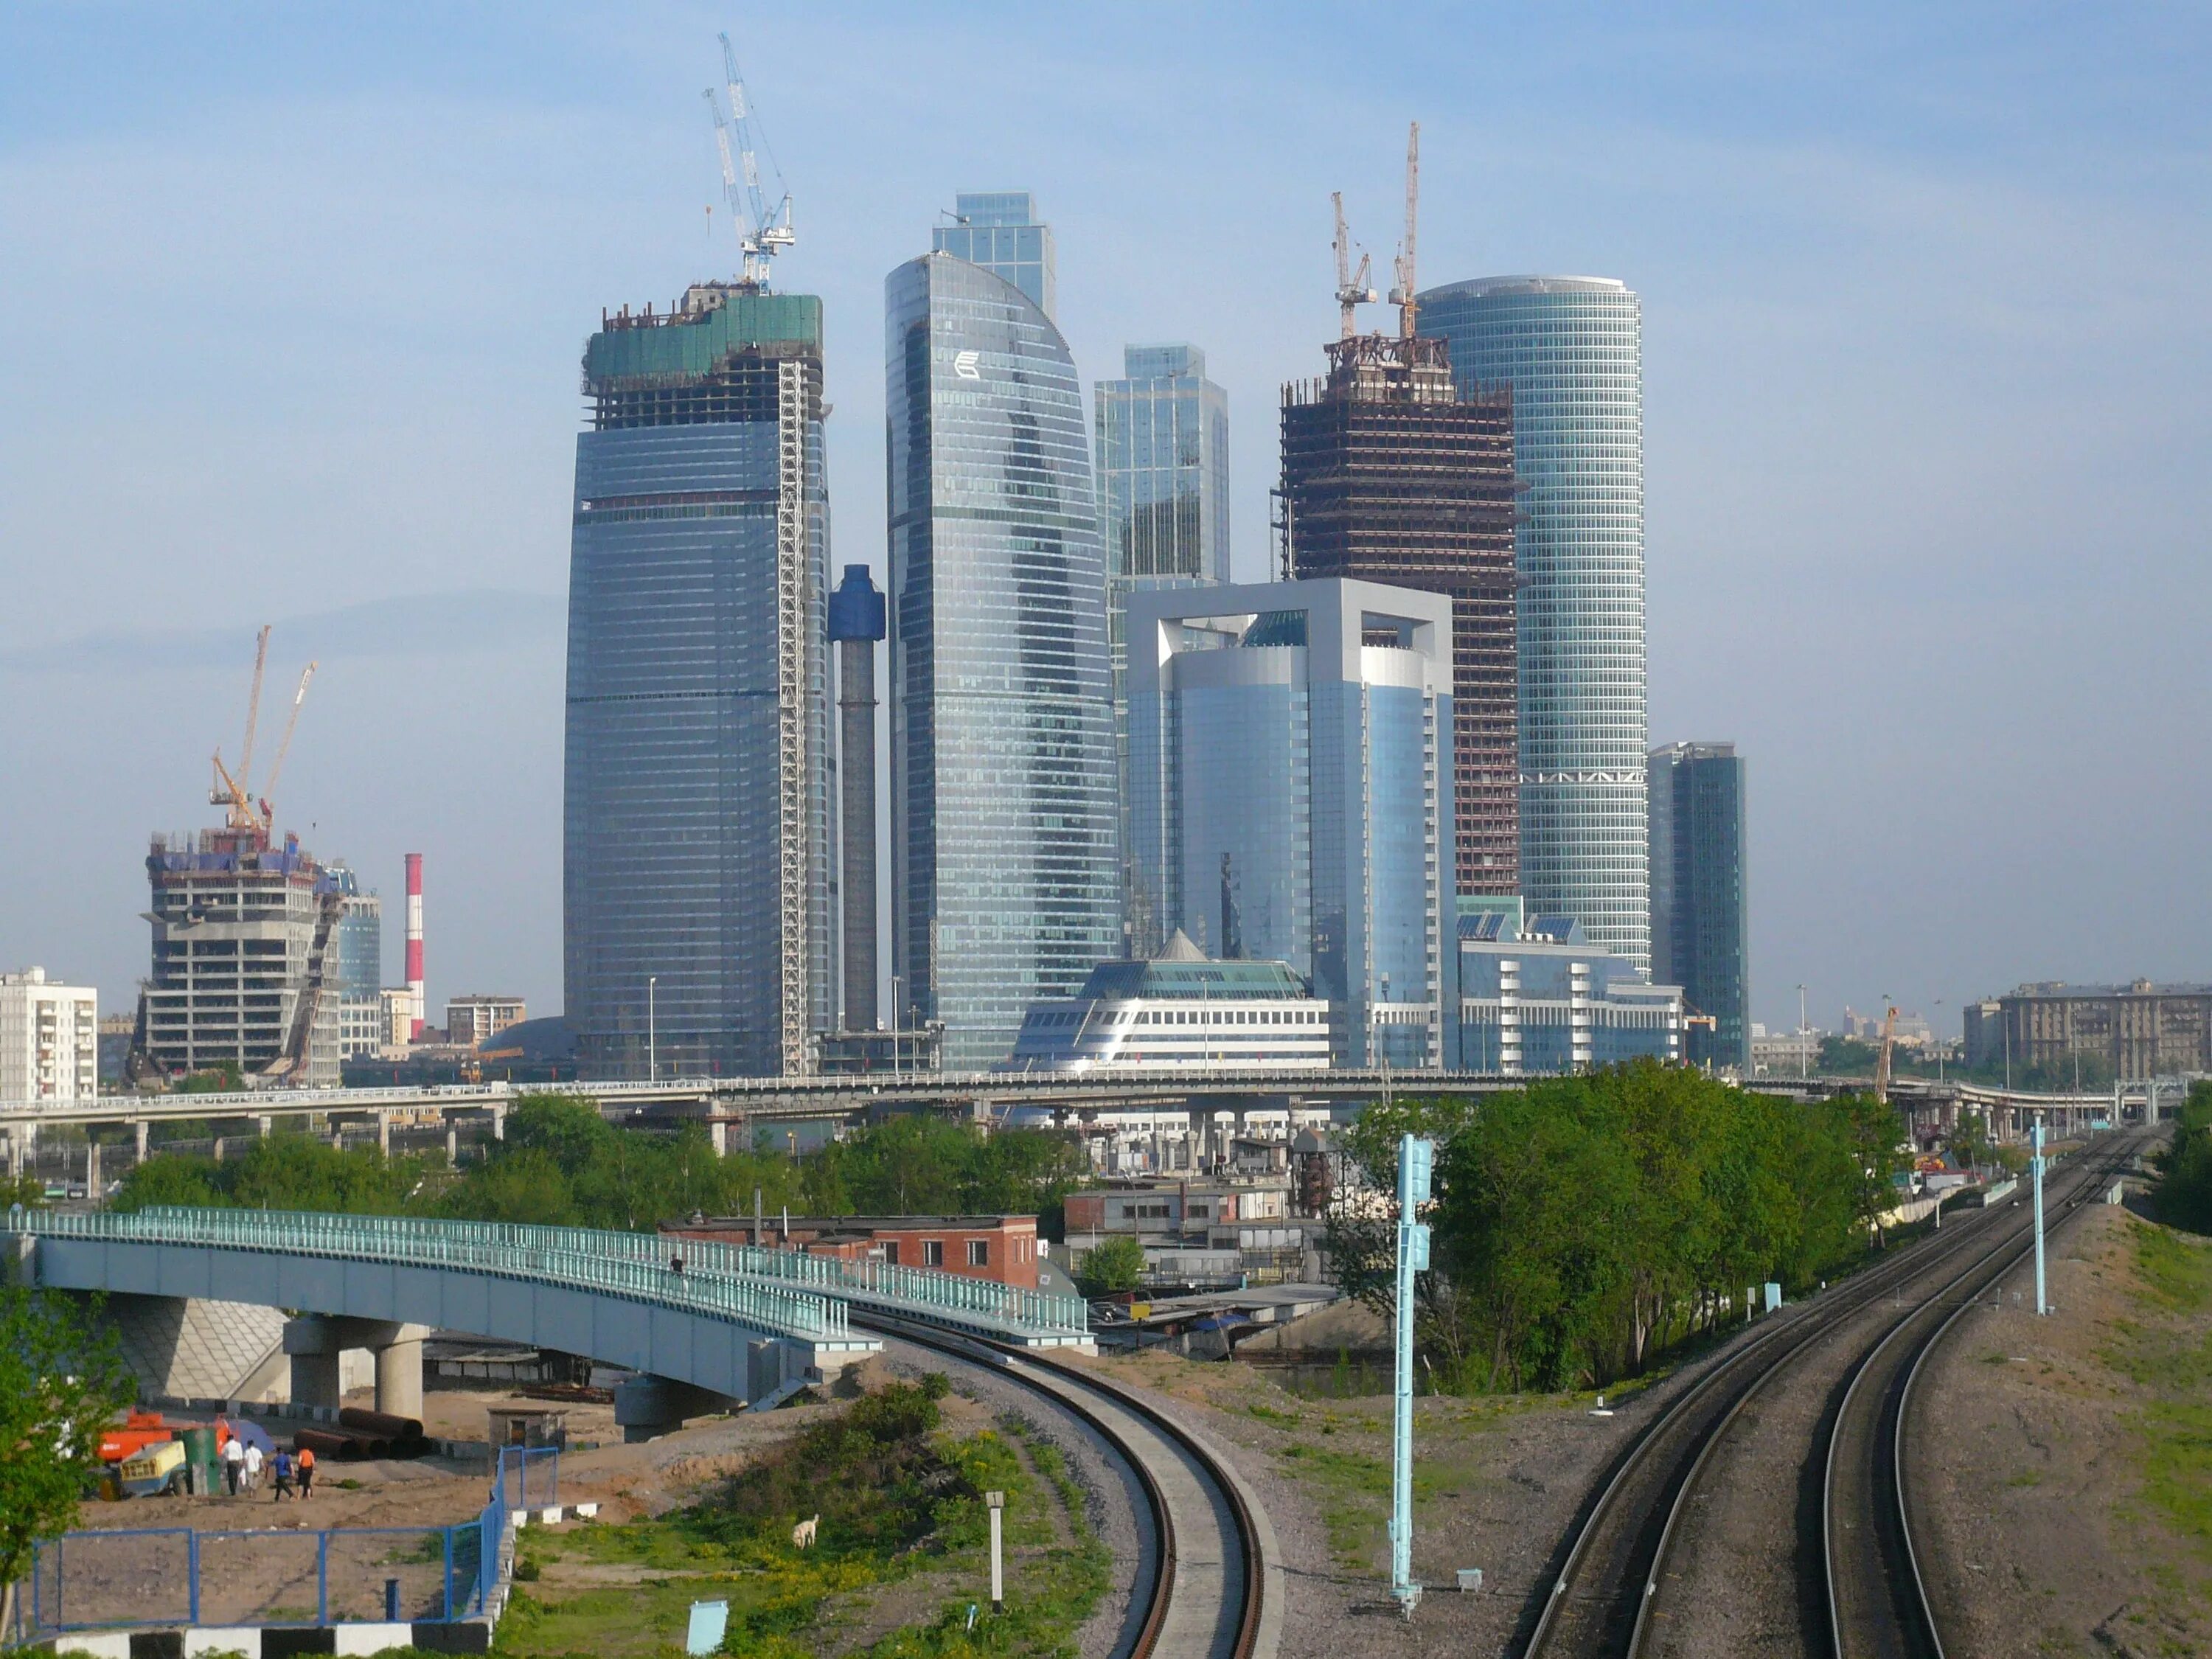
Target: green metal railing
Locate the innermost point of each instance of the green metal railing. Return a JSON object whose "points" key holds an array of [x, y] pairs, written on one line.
{"points": [[914, 1291], [576, 1257]]}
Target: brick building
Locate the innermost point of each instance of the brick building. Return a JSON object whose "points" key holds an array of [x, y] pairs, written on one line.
{"points": [[1001, 1248]]}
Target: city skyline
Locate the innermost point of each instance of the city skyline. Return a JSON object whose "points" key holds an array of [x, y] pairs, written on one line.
{"points": [[402, 464]]}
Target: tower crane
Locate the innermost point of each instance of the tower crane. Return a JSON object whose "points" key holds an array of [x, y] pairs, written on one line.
{"points": [[764, 231], [1402, 295], [1351, 288], [235, 792], [284, 748]]}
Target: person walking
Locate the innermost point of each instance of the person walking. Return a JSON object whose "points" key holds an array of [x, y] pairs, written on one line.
{"points": [[234, 1461], [253, 1466], [280, 1467], [306, 1462]]}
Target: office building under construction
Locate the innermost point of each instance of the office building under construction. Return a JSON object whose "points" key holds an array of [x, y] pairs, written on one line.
{"points": [[1391, 476], [245, 970]]}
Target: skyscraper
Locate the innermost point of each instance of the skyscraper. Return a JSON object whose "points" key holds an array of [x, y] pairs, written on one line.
{"points": [[1389, 477], [1699, 933], [1004, 873], [697, 885], [1163, 433], [998, 229], [1286, 749], [856, 624], [1570, 351]]}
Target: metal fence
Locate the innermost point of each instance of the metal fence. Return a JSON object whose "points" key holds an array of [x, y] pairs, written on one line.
{"points": [[788, 1290], [136, 1576], [576, 1257]]}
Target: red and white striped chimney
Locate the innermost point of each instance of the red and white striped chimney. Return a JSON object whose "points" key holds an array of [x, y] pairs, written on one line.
{"points": [[415, 947]]}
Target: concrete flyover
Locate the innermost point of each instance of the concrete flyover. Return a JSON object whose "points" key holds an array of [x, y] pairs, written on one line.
{"points": [[697, 1340]]}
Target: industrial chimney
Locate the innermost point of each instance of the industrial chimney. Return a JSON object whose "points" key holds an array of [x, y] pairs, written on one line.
{"points": [[415, 994]]}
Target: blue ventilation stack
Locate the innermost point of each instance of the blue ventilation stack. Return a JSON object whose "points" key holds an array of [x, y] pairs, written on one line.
{"points": [[856, 622]]}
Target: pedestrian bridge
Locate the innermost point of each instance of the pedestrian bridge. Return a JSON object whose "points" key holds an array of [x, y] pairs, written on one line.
{"points": [[744, 1323]]}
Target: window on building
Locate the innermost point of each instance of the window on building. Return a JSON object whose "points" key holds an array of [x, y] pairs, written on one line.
{"points": [[890, 1255], [979, 1252], [933, 1253]]}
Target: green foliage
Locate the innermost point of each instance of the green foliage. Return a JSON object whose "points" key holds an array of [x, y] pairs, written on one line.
{"points": [[2184, 1192], [223, 1079], [1114, 1265], [562, 1164], [285, 1170], [1585, 1225], [27, 1190], [62, 1376]]}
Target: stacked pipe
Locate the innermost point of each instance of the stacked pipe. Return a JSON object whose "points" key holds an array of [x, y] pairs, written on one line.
{"points": [[364, 1434]]}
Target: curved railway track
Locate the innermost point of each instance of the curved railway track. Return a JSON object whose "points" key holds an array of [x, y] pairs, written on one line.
{"points": [[1207, 1554], [1603, 1598], [1878, 1600]]}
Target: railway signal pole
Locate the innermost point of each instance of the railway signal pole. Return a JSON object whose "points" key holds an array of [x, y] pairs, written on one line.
{"points": [[2036, 1164], [1416, 1157]]}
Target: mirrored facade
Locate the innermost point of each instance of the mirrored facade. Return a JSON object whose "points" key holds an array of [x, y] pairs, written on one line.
{"points": [[1162, 436], [1700, 933], [698, 884], [1005, 877], [998, 229], [1570, 351], [1290, 767]]}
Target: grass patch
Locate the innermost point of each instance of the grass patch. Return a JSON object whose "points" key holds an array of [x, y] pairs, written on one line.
{"points": [[2174, 1431], [1354, 1491], [896, 1497]]}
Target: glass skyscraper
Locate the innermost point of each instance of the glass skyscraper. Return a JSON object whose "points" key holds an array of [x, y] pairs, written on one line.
{"points": [[1570, 349], [998, 229], [1290, 767], [1005, 877], [698, 883], [1699, 920], [360, 937], [1163, 433]]}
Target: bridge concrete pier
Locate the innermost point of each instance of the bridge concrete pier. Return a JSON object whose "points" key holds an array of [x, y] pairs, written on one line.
{"points": [[317, 1342], [452, 1143], [143, 1128]]}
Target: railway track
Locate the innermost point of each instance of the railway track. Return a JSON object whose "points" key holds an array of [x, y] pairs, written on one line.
{"points": [[1606, 1596], [1878, 1600], [1209, 1580]]}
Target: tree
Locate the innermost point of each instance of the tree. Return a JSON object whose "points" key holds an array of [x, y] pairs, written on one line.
{"points": [[62, 1376], [1112, 1266]]}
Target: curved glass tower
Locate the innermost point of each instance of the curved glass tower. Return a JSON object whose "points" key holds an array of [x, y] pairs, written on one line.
{"points": [[1570, 350], [1004, 867]]}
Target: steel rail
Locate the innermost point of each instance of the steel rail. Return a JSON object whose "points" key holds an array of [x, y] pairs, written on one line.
{"points": [[1913, 1629], [1923, 1262], [1748, 1366], [1065, 1385]]}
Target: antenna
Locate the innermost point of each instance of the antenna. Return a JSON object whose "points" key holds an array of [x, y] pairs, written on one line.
{"points": [[1350, 291], [762, 231], [1402, 295]]}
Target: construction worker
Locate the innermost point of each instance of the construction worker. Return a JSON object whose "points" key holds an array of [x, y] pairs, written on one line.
{"points": [[306, 1462], [234, 1462], [281, 1468]]}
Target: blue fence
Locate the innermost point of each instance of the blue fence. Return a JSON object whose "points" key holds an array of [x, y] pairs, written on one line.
{"points": [[138, 1576]]}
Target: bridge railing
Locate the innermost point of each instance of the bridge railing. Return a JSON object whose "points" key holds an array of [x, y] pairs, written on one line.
{"points": [[575, 1257], [912, 1290]]}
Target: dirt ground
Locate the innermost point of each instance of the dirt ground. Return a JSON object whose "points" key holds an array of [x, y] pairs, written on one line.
{"points": [[2064, 1457], [1497, 1484]]}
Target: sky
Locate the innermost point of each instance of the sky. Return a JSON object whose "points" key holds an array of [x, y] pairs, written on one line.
{"points": [[292, 301]]}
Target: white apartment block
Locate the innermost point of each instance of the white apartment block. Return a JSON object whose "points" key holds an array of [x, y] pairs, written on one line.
{"points": [[475, 1018], [49, 1039]]}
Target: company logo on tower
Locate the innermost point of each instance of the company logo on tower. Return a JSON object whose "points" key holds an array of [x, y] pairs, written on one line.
{"points": [[965, 366]]}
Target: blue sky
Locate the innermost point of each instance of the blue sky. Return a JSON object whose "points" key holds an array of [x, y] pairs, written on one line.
{"points": [[294, 297]]}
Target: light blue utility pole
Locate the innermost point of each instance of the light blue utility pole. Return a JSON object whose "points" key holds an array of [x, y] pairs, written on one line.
{"points": [[2041, 1306], [1416, 1157]]}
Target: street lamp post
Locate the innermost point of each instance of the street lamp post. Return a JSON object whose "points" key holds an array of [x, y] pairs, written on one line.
{"points": [[1804, 1040], [2041, 1305], [652, 1032]]}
